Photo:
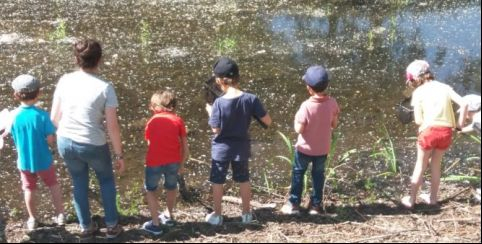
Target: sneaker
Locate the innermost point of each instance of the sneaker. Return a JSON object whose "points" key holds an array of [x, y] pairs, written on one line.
{"points": [[167, 221], [289, 208], [214, 219], [477, 195], [247, 218], [113, 232], [31, 224], [89, 232], [315, 210], [426, 199], [407, 202], [60, 219], [151, 228]]}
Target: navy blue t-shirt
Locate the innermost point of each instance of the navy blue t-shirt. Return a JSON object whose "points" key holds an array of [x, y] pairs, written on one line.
{"points": [[233, 117]]}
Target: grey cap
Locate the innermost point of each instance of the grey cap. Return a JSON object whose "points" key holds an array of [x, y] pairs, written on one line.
{"points": [[25, 83]]}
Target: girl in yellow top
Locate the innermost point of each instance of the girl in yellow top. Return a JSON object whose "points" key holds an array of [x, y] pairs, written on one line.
{"points": [[433, 112]]}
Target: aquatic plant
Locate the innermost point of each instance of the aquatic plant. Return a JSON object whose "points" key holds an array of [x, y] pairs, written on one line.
{"points": [[60, 31], [392, 35], [145, 34], [333, 162], [370, 36], [383, 148], [226, 46], [129, 204], [291, 158]]}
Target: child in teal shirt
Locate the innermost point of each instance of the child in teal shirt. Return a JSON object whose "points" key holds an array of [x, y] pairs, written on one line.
{"points": [[32, 132]]}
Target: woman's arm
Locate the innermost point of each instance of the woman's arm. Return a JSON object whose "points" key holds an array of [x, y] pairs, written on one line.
{"points": [[113, 130], [56, 112]]}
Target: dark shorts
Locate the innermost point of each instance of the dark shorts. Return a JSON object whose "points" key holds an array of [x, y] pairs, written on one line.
{"points": [[29, 179], [219, 170], [435, 138]]}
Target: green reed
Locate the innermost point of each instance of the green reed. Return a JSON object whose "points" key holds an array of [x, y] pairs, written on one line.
{"points": [[384, 149], [60, 31]]}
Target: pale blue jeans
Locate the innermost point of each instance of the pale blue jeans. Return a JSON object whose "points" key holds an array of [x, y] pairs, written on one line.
{"points": [[79, 158]]}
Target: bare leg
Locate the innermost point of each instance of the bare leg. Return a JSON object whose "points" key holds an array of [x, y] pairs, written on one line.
{"points": [[218, 191], [29, 196], [56, 192], [170, 202], [417, 176], [245, 192], [153, 205], [435, 171]]}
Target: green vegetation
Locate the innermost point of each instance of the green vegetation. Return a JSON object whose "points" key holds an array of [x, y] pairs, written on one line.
{"points": [[128, 204], [60, 31], [226, 46], [145, 34], [385, 150]]}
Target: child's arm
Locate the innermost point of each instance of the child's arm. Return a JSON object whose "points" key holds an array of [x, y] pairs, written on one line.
{"points": [[184, 153], [334, 121], [51, 140], [299, 127], [463, 107], [56, 113], [266, 120]]}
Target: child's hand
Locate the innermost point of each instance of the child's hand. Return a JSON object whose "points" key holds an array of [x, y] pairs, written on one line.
{"points": [[181, 170]]}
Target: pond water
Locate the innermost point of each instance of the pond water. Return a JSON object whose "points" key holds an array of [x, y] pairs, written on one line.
{"points": [[150, 45]]}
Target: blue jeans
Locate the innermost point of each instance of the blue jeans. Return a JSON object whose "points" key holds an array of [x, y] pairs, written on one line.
{"points": [[79, 158], [317, 174], [152, 176]]}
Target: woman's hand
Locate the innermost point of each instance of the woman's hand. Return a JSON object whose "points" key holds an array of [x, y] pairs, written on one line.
{"points": [[120, 165]]}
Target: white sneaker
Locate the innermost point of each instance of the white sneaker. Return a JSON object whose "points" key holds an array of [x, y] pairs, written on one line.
{"points": [[247, 218], [214, 219], [477, 195], [289, 208], [167, 221], [31, 224], [60, 219]]}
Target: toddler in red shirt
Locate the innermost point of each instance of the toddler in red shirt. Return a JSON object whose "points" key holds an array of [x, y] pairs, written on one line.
{"points": [[167, 151]]}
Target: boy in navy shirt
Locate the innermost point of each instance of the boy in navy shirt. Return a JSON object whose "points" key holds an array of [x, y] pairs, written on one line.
{"points": [[229, 118]]}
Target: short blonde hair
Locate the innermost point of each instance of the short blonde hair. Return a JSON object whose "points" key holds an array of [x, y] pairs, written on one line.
{"points": [[164, 100]]}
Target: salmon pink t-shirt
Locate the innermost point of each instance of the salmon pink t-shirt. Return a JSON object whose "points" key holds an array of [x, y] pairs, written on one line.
{"points": [[316, 114], [164, 131]]}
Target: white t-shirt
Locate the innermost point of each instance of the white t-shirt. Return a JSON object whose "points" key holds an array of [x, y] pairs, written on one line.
{"points": [[83, 99]]}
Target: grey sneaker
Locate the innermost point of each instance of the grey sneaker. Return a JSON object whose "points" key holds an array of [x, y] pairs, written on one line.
{"points": [[247, 218], [89, 232], [167, 221], [214, 219], [114, 232]]}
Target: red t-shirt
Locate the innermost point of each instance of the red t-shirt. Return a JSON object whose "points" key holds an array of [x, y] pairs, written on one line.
{"points": [[164, 131]]}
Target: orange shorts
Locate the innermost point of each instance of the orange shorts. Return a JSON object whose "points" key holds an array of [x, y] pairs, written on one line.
{"points": [[435, 138]]}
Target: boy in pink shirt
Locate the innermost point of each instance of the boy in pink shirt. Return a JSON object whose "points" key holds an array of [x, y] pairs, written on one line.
{"points": [[314, 122]]}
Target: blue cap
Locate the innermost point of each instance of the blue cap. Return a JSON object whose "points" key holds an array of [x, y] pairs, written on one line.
{"points": [[226, 67], [316, 76]]}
